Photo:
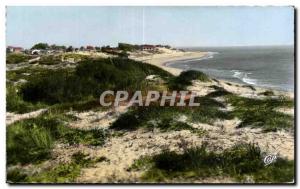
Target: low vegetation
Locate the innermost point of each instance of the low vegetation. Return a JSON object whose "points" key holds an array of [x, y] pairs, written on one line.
{"points": [[62, 173], [185, 79], [89, 80], [259, 113], [49, 60], [15, 58], [31, 140], [168, 117], [250, 87], [267, 93], [27, 73], [240, 162], [262, 112], [128, 47], [15, 102]]}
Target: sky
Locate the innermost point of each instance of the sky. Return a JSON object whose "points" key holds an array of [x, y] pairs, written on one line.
{"points": [[175, 26]]}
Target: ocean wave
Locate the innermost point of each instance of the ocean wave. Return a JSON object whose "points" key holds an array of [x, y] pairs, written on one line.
{"points": [[208, 56], [244, 76]]}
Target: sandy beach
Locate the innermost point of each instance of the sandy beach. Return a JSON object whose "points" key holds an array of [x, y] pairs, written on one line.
{"points": [[165, 56]]}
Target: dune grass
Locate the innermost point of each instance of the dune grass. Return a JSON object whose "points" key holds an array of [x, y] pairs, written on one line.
{"points": [[239, 162], [31, 140], [262, 112], [185, 79], [15, 58], [61, 173], [77, 89], [219, 91], [267, 93], [15, 102], [49, 60], [250, 87], [168, 117], [90, 78]]}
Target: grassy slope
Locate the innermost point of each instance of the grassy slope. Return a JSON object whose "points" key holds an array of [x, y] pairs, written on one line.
{"points": [[31, 140], [240, 162], [79, 89]]}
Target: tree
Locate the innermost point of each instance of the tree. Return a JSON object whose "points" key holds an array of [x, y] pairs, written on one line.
{"points": [[42, 46], [58, 47], [70, 49], [98, 49], [123, 54], [7, 50], [82, 48], [126, 47]]}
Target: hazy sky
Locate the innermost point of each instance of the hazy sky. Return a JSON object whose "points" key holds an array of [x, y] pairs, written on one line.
{"points": [[177, 26]]}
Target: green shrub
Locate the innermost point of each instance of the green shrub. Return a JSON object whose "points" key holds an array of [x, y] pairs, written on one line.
{"points": [[43, 46], [166, 117], [267, 93], [94, 137], [28, 143], [16, 176], [238, 162], [262, 112], [127, 47], [49, 60], [15, 58], [63, 173], [185, 79], [31, 140], [250, 87], [219, 91], [90, 79], [15, 102]]}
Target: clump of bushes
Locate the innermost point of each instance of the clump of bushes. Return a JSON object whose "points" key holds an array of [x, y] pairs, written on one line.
{"points": [[49, 60], [31, 140], [128, 47], [237, 162], [90, 79], [219, 91], [166, 117], [262, 112], [250, 87], [63, 173], [15, 102], [15, 58], [185, 79], [267, 93]]}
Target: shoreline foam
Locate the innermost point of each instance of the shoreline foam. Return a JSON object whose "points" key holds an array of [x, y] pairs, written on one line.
{"points": [[163, 61]]}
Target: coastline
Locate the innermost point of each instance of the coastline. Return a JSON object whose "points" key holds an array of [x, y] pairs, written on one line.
{"points": [[162, 61]]}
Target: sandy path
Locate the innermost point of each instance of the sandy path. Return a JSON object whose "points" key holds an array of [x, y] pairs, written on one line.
{"points": [[13, 117]]}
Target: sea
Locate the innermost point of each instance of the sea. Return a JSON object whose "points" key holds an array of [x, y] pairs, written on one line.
{"points": [[270, 67]]}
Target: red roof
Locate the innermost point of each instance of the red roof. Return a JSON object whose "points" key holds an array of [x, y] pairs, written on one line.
{"points": [[12, 47]]}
